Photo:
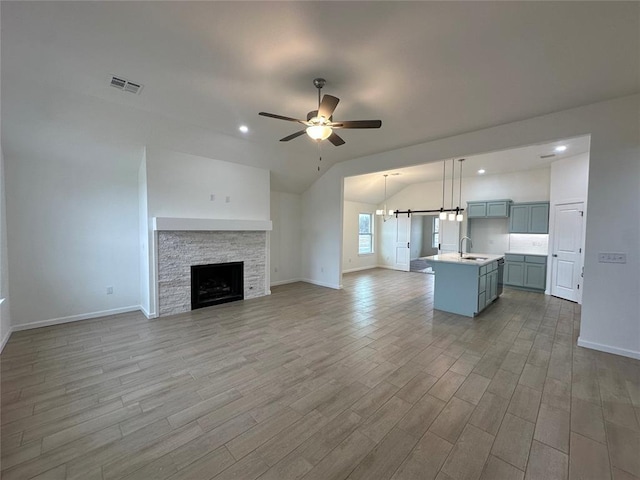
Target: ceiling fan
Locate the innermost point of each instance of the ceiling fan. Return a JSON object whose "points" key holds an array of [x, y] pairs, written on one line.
{"points": [[319, 123]]}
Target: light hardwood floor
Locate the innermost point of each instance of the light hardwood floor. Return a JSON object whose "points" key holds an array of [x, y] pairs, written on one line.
{"points": [[364, 383]]}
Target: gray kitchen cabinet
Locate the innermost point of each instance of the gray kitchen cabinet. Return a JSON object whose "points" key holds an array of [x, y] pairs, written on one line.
{"points": [[514, 273], [529, 218], [488, 209], [487, 285], [464, 286], [526, 271], [535, 276]]}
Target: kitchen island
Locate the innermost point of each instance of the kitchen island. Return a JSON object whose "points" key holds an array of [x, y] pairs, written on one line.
{"points": [[466, 284]]}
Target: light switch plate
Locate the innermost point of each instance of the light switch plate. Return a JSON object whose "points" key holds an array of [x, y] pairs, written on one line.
{"points": [[612, 258]]}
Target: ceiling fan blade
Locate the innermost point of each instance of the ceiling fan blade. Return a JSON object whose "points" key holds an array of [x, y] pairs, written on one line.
{"points": [[357, 124], [293, 135], [327, 106], [336, 139], [280, 117]]}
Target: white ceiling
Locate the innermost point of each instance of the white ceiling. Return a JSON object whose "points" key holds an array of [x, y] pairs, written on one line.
{"points": [[426, 69], [370, 188]]}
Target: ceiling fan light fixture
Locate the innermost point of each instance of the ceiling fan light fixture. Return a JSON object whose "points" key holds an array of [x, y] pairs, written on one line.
{"points": [[319, 132]]}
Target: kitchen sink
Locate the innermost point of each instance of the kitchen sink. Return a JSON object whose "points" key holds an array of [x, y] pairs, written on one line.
{"points": [[466, 257]]}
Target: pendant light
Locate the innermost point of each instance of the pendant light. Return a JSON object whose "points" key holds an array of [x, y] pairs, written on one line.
{"points": [[383, 212], [443, 214], [452, 215], [459, 216]]}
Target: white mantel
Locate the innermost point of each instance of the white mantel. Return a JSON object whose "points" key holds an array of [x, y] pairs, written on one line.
{"points": [[210, 224]]}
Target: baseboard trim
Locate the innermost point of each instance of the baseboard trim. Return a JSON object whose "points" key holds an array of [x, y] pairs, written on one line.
{"points": [[284, 282], [147, 314], [388, 267], [609, 349], [322, 284], [359, 269], [75, 318], [5, 339]]}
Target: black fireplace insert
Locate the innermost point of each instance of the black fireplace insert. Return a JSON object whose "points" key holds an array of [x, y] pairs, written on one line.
{"points": [[216, 283]]}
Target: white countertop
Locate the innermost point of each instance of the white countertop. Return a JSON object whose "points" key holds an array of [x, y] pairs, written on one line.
{"points": [[536, 254], [455, 258]]}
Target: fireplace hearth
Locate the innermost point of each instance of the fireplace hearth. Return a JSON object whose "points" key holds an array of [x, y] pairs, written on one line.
{"points": [[216, 283]]}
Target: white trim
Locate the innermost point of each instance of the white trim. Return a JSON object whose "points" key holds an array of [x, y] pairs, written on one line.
{"points": [[359, 269], [608, 349], [322, 284], [147, 314], [284, 282], [75, 318], [5, 339], [210, 224]]}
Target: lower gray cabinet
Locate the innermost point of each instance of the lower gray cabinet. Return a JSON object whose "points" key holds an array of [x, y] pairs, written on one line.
{"points": [[514, 273], [535, 276], [487, 285], [526, 271]]}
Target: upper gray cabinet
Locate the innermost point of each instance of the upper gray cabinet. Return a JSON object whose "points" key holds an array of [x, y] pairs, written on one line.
{"points": [[529, 218], [488, 209]]}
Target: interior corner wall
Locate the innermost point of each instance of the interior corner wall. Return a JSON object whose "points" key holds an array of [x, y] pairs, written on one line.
{"points": [[145, 236], [611, 298], [72, 230], [352, 261], [5, 314], [322, 230], [286, 214]]}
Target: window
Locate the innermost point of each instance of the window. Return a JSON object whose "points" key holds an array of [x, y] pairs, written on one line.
{"points": [[435, 236], [365, 233]]}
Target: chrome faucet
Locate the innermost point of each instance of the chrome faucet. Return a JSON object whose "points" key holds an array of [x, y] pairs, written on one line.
{"points": [[462, 240]]}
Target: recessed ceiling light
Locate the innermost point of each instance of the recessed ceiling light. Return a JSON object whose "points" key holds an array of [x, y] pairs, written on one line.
{"points": [[560, 148], [481, 171], [243, 128]]}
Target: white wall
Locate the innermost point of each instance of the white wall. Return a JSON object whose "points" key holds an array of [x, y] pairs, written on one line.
{"points": [[72, 230], [181, 185], [321, 261], [416, 239], [285, 238], [5, 316], [569, 184], [351, 260], [611, 301]]}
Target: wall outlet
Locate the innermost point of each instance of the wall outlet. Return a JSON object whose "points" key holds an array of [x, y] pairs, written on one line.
{"points": [[109, 290], [321, 269], [228, 199], [612, 257], [212, 197], [275, 269]]}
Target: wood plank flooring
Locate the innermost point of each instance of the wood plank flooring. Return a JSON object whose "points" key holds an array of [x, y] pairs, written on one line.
{"points": [[368, 382]]}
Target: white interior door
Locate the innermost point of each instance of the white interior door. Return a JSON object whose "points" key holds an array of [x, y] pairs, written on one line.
{"points": [[403, 238], [449, 236], [566, 260]]}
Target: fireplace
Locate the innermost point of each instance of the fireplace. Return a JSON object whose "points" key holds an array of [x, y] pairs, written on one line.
{"points": [[216, 283]]}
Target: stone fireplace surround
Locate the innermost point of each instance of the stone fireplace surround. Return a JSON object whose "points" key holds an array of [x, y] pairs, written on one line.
{"points": [[185, 242]]}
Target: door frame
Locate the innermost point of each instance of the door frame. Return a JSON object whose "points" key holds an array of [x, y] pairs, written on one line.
{"points": [[552, 238]]}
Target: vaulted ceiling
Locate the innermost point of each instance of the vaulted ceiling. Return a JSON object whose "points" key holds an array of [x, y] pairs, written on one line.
{"points": [[426, 69]]}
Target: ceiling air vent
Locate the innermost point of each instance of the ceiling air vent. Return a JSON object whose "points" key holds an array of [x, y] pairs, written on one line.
{"points": [[125, 85], [551, 155]]}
